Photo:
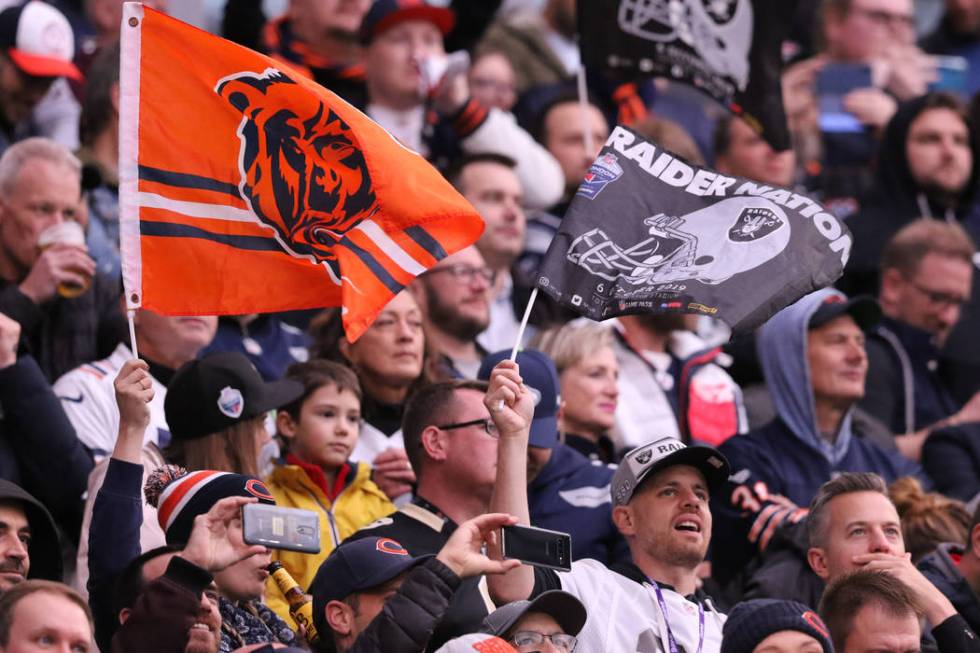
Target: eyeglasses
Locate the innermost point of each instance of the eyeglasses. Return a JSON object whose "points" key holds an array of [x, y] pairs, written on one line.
{"points": [[465, 273], [887, 18], [486, 423], [938, 298], [526, 638]]}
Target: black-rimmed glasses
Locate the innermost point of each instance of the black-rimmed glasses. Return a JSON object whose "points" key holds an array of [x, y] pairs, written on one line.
{"points": [[486, 423]]}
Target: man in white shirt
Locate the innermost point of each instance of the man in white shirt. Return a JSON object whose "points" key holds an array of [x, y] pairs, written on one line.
{"points": [[660, 498]]}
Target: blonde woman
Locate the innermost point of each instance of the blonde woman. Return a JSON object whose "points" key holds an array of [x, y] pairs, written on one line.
{"points": [[588, 374]]}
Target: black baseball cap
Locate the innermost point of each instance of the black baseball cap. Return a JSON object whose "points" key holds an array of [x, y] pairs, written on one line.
{"points": [[384, 14], [356, 566], [561, 606], [219, 390], [863, 308]]}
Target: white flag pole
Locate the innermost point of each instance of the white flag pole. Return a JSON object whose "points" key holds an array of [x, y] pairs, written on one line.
{"points": [[131, 316]]}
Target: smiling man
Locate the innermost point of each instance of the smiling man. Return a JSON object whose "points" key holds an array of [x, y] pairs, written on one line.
{"points": [[660, 505]]}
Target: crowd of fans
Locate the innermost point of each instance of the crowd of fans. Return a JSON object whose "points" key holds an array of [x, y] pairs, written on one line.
{"points": [[817, 481]]}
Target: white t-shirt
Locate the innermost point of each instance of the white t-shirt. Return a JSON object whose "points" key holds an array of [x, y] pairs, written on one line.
{"points": [[625, 617], [89, 400]]}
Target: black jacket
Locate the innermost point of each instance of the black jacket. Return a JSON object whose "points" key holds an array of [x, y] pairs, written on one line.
{"points": [[942, 571], [38, 447], [411, 615], [44, 550], [902, 389], [784, 572], [64, 333], [952, 457]]}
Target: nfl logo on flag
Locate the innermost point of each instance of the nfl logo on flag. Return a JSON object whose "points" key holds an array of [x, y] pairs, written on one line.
{"points": [[604, 171]]}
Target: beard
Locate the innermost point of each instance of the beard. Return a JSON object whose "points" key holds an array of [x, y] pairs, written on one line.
{"points": [[665, 546], [451, 320]]}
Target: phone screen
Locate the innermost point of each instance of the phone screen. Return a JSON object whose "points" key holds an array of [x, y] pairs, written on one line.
{"points": [[834, 81], [281, 528], [538, 546]]}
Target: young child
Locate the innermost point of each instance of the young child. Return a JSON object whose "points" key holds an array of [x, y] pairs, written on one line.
{"points": [[320, 430]]}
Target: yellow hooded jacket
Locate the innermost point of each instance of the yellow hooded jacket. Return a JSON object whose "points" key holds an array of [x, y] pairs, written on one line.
{"points": [[357, 503]]}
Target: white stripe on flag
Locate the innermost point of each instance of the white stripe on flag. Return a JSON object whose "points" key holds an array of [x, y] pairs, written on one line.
{"points": [[394, 251], [197, 209]]}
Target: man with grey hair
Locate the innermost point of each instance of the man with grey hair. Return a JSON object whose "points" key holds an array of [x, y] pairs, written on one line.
{"points": [[68, 314]]}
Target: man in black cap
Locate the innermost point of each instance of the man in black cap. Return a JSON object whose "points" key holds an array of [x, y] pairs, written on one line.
{"points": [[29, 546], [660, 497], [813, 357], [548, 623], [363, 577], [773, 625]]}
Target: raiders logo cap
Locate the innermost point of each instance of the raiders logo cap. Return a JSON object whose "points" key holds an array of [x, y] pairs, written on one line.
{"points": [[210, 394], [39, 40], [643, 461], [541, 378]]}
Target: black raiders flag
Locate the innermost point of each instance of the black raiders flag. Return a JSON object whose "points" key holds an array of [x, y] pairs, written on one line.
{"points": [[648, 232], [729, 49]]}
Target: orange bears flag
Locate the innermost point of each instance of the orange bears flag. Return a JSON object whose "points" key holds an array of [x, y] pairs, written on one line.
{"points": [[247, 188]]}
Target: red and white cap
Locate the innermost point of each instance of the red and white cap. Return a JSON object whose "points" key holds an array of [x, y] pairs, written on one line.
{"points": [[39, 40]]}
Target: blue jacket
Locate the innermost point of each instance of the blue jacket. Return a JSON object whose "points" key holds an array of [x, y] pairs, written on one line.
{"points": [[271, 344], [777, 469], [571, 494]]}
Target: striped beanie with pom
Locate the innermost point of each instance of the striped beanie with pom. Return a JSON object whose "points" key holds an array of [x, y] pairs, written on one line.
{"points": [[179, 496]]}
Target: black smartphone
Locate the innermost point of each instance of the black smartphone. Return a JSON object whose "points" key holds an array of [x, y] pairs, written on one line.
{"points": [[537, 546], [281, 528]]}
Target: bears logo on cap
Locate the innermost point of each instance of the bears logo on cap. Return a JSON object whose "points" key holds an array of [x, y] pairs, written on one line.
{"points": [[388, 545], [814, 620], [257, 488]]}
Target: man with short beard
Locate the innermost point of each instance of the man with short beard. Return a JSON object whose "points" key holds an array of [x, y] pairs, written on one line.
{"points": [[29, 546], [671, 383], [454, 296]]}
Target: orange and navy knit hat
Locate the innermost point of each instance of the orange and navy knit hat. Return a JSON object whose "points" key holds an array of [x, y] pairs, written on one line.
{"points": [[179, 496]]}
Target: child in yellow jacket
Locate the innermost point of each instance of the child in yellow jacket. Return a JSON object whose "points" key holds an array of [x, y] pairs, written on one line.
{"points": [[320, 430]]}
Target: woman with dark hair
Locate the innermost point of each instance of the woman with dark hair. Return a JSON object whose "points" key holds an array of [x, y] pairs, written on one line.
{"points": [[391, 361]]}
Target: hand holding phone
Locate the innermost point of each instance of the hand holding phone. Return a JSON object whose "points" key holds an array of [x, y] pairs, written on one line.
{"points": [[537, 546], [291, 529]]}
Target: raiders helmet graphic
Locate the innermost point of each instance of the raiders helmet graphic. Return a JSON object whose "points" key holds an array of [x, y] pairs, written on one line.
{"points": [[719, 31], [709, 245]]}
